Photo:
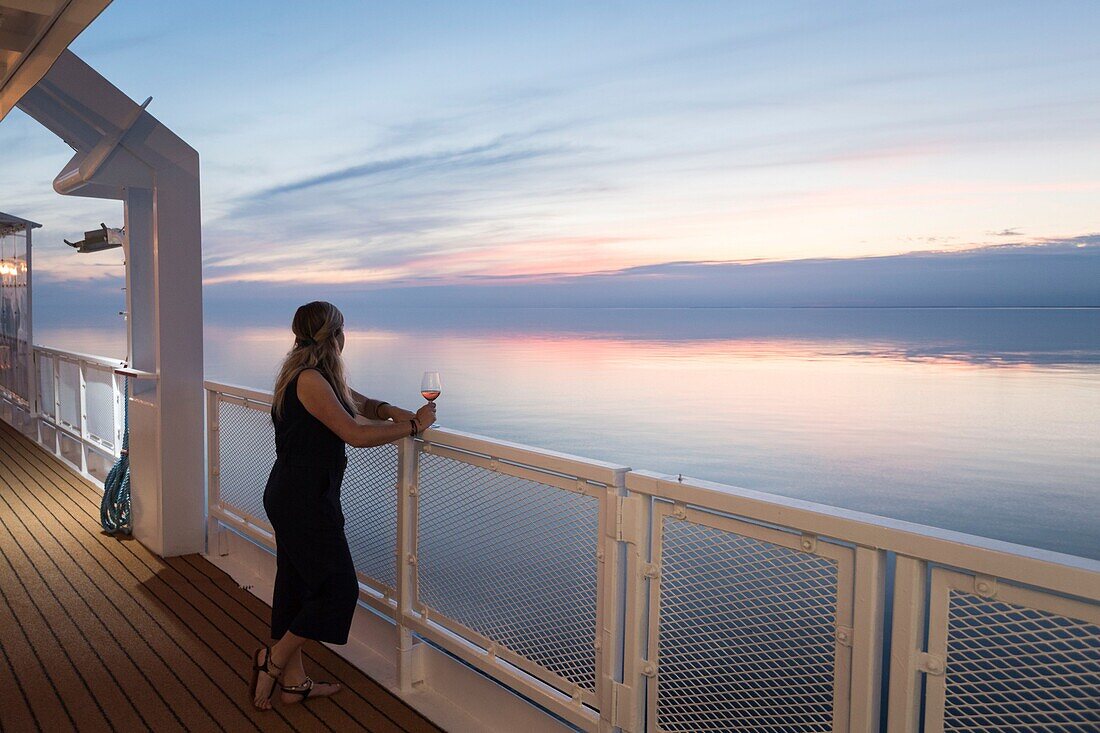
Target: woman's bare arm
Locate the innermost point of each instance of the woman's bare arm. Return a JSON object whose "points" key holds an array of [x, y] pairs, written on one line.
{"points": [[383, 410], [371, 408], [318, 398]]}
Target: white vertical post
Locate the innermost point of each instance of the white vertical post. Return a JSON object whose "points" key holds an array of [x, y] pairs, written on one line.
{"points": [[906, 643], [36, 407], [215, 535], [165, 331], [410, 670], [147, 486], [636, 554], [56, 447], [120, 418], [32, 366], [611, 603], [867, 635], [82, 414], [934, 664]]}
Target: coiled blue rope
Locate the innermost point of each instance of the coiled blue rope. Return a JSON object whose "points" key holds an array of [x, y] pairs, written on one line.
{"points": [[114, 510]]}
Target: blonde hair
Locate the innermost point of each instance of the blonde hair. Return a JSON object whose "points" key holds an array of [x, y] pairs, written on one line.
{"points": [[316, 327]]}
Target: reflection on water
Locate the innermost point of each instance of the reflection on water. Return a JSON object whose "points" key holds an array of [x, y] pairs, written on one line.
{"points": [[984, 421]]}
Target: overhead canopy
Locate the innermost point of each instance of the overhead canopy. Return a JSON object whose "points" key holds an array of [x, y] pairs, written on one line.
{"points": [[9, 220], [33, 33]]}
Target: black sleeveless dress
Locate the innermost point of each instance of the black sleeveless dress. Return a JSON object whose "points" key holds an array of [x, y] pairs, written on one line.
{"points": [[316, 589]]}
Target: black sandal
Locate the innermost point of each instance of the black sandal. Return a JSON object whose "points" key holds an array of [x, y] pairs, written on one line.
{"points": [[266, 669], [305, 689]]}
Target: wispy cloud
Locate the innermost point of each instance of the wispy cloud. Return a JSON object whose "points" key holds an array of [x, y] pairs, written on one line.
{"points": [[488, 155]]}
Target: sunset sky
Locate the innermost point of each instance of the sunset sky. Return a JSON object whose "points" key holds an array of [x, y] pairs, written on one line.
{"points": [[385, 144]]}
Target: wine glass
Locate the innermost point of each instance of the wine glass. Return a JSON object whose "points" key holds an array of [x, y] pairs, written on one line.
{"points": [[430, 386]]}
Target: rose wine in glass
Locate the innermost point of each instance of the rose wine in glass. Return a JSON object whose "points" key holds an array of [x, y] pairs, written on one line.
{"points": [[430, 386]]}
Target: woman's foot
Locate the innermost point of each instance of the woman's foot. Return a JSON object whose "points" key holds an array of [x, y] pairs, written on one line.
{"points": [[307, 689], [265, 675]]}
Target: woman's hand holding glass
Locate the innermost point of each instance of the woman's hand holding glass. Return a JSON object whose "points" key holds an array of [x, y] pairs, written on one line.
{"points": [[425, 416], [430, 389]]}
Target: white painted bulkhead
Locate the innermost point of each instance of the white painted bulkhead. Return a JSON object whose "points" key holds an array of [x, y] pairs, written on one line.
{"points": [[123, 153]]}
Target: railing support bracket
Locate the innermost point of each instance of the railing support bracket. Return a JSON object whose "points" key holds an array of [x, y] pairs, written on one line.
{"points": [[844, 635], [985, 586], [932, 664]]}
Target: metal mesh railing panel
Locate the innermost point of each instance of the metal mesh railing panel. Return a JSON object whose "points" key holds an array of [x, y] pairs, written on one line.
{"points": [[99, 400], [369, 500], [1010, 667], [746, 638], [45, 385], [246, 451], [512, 559], [69, 388]]}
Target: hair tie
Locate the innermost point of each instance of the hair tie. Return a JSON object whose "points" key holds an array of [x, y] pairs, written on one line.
{"points": [[307, 342]]}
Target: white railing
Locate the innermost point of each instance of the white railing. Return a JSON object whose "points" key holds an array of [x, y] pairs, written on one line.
{"points": [[624, 599], [77, 413]]}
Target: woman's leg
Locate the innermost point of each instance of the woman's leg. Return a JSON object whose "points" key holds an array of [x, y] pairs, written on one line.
{"points": [[295, 671], [286, 649], [290, 591], [283, 653]]}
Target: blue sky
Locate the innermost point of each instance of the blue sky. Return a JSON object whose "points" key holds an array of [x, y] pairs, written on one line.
{"points": [[372, 145]]}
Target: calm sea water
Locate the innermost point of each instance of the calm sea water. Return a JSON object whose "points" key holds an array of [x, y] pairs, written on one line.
{"points": [[983, 421]]}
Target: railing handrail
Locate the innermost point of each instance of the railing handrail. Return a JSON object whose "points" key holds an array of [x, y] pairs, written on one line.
{"points": [[103, 361], [1022, 563], [573, 465], [1055, 571], [503, 449]]}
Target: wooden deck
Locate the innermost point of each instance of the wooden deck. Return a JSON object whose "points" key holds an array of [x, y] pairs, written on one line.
{"points": [[98, 633]]}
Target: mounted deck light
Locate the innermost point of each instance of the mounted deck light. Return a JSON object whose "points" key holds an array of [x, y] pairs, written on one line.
{"points": [[98, 240]]}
